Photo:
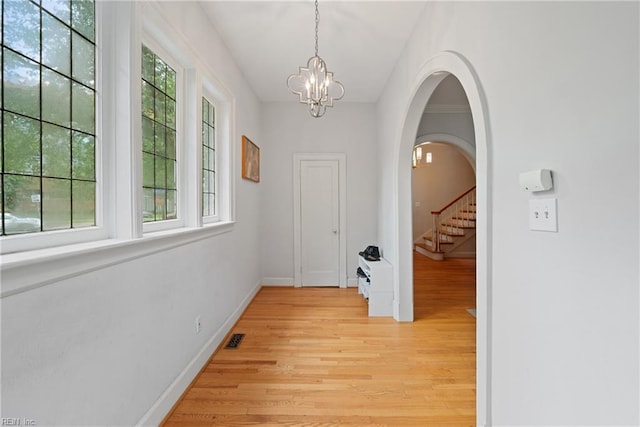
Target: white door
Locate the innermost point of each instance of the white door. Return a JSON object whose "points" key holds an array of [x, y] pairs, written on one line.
{"points": [[319, 223]]}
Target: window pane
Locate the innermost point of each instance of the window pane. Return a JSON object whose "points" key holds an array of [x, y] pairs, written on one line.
{"points": [[172, 212], [161, 173], [82, 17], [212, 160], [59, 8], [83, 156], [83, 60], [21, 145], [160, 74], [171, 83], [147, 100], [56, 51], [205, 112], [48, 131], [21, 84], [56, 98], [21, 204], [148, 66], [147, 135], [1, 145], [171, 174], [208, 159], [160, 203], [83, 114], [212, 204], [56, 152], [56, 204], [159, 107], [158, 110], [205, 134], [212, 182], [148, 205], [22, 28], [159, 146], [205, 183], [148, 170], [84, 204], [170, 147], [171, 113]]}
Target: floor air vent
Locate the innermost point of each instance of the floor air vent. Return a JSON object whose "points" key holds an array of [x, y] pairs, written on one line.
{"points": [[234, 341]]}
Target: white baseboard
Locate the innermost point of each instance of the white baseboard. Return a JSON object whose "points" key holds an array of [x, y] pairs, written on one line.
{"points": [[352, 282], [277, 281], [170, 396]]}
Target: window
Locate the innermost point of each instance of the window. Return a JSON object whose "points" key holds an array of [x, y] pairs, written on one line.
{"points": [[158, 138], [68, 173], [48, 116], [209, 190]]}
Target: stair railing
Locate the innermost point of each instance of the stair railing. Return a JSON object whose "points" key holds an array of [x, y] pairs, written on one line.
{"points": [[459, 212]]}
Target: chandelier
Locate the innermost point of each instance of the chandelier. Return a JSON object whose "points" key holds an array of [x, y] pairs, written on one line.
{"points": [[314, 84]]}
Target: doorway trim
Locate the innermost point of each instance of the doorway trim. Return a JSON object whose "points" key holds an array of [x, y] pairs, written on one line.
{"points": [[341, 158], [428, 78]]}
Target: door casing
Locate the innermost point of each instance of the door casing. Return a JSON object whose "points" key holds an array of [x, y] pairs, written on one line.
{"points": [[298, 158]]}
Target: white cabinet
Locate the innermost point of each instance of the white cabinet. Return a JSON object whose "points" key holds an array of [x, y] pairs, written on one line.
{"points": [[377, 286]]}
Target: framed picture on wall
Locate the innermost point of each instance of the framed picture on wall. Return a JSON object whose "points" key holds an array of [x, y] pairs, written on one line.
{"points": [[250, 160]]}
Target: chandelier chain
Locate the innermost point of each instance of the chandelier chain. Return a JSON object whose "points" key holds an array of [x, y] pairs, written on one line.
{"points": [[317, 22]]}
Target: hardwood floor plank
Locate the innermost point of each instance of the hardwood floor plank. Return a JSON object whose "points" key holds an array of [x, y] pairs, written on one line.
{"points": [[312, 357]]}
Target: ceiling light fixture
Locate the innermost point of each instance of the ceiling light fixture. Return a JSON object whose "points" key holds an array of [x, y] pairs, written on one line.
{"points": [[314, 84]]}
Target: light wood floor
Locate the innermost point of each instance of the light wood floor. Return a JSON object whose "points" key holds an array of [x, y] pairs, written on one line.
{"points": [[312, 357]]}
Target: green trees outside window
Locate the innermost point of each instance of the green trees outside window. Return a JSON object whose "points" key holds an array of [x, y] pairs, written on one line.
{"points": [[158, 138], [47, 111], [208, 159]]}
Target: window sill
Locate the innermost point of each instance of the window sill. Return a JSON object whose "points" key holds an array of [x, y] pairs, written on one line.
{"points": [[24, 271]]}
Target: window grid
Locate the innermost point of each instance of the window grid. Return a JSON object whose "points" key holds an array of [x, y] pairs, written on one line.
{"points": [[158, 138], [208, 159], [47, 141]]}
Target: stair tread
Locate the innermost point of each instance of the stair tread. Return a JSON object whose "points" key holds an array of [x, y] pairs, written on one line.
{"points": [[428, 248], [441, 242]]}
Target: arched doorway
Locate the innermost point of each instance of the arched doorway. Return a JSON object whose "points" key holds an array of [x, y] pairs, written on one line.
{"points": [[431, 74]]}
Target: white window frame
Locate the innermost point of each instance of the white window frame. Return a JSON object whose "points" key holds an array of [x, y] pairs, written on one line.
{"points": [[215, 217], [119, 234], [46, 239], [169, 54]]}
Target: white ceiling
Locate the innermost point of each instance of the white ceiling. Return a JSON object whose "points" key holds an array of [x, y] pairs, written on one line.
{"points": [[359, 40]]}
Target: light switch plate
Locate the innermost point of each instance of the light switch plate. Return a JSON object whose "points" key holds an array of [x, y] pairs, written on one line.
{"points": [[543, 215]]}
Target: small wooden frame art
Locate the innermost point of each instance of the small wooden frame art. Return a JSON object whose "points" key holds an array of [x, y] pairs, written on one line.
{"points": [[250, 160]]}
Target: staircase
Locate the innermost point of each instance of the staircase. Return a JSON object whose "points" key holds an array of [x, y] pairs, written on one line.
{"points": [[453, 225]]}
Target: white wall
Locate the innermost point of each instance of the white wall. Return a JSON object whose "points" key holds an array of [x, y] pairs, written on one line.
{"points": [[101, 348], [287, 129], [561, 88]]}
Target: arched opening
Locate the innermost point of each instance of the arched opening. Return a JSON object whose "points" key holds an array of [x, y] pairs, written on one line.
{"points": [[430, 76]]}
